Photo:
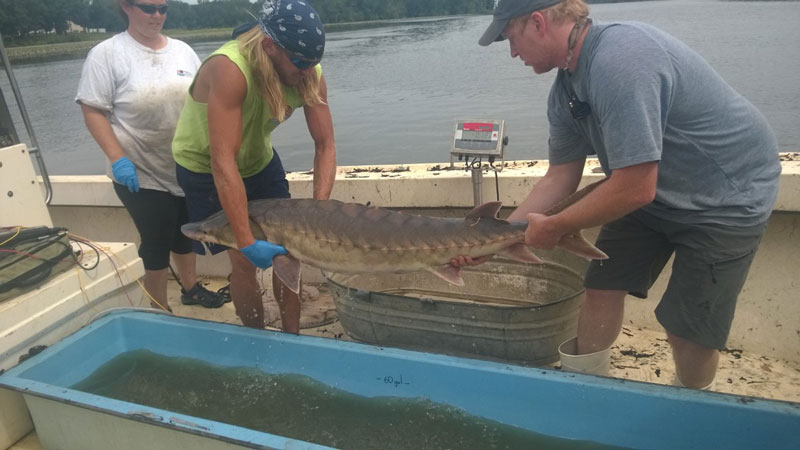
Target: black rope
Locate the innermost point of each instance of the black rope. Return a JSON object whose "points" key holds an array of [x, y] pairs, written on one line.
{"points": [[497, 185], [27, 244]]}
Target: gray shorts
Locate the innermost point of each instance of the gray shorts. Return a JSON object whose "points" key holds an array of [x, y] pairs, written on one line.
{"points": [[710, 268]]}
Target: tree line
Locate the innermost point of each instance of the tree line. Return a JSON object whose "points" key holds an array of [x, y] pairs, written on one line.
{"points": [[19, 18]]}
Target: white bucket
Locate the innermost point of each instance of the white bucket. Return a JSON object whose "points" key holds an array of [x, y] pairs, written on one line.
{"points": [[677, 382], [597, 363]]}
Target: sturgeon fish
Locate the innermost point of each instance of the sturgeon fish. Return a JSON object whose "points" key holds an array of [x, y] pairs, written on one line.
{"points": [[355, 238]]}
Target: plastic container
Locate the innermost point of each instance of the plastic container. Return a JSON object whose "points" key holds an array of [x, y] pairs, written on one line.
{"points": [[561, 405]]}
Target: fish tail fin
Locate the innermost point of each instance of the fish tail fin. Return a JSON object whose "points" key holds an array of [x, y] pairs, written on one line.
{"points": [[577, 244]]}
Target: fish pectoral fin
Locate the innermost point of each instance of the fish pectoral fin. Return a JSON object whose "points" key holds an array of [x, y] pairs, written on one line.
{"points": [[287, 269], [577, 244], [521, 253], [449, 273]]}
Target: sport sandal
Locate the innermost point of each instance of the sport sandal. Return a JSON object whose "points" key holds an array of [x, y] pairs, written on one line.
{"points": [[198, 295], [225, 291]]}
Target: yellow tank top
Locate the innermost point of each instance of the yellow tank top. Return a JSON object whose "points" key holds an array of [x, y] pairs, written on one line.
{"points": [[190, 146]]}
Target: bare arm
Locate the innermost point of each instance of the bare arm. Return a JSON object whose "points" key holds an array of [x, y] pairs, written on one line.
{"points": [[627, 190], [100, 127], [225, 88], [559, 182], [320, 126]]}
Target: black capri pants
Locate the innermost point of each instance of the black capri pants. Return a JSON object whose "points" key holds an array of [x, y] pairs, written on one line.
{"points": [[158, 217]]}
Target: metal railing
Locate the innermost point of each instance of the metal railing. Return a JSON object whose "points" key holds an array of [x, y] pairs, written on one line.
{"points": [[34, 150]]}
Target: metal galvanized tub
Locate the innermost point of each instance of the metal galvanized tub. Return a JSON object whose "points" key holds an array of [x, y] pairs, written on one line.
{"points": [[506, 310]]}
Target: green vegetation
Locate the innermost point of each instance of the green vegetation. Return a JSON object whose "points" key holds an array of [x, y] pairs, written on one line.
{"points": [[35, 30], [78, 48], [42, 22]]}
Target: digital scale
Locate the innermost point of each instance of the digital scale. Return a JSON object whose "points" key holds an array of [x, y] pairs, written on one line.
{"points": [[481, 138], [474, 141]]}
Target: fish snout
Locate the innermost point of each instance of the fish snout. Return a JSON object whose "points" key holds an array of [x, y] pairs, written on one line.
{"points": [[194, 231]]}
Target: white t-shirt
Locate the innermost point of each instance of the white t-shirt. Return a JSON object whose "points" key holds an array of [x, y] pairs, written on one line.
{"points": [[144, 90]]}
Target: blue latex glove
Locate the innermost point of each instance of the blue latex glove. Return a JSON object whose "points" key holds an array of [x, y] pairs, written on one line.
{"points": [[125, 172], [260, 253]]}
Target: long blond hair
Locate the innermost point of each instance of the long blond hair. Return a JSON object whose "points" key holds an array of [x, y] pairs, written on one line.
{"points": [[266, 77]]}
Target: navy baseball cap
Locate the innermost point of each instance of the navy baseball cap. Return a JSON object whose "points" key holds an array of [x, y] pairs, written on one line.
{"points": [[505, 10]]}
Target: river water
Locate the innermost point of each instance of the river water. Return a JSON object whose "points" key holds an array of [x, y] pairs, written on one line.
{"points": [[395, 91]]}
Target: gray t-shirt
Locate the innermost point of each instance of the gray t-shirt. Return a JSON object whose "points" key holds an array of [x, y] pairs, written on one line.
{"points": [[144, 90], [655, 99]]}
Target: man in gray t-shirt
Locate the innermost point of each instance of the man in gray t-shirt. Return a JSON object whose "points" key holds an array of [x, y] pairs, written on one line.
{"points": [[692, 172]]}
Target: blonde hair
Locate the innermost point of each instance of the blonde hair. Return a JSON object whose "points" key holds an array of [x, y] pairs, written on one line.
{"points": [[266, 77], [565, 11]]}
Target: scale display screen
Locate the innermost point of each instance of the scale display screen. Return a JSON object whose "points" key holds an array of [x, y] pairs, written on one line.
{"points": [[478, 137], [477, 131]]}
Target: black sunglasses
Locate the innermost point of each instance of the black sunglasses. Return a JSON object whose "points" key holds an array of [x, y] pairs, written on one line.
{"points": [[151, 9], [303, 64], [300, 63]]}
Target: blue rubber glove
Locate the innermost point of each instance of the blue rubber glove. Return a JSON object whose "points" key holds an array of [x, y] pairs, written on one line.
{"points": [[125, 172], [260, 253]]}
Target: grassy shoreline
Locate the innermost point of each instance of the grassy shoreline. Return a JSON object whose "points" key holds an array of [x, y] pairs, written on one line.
{"points": [[78, 49]]}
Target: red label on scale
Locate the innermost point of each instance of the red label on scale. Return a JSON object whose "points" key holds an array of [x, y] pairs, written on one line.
{"points": [[477, 126]]}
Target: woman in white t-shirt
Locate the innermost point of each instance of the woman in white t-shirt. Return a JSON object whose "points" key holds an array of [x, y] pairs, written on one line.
{"points": [[131, 92]]}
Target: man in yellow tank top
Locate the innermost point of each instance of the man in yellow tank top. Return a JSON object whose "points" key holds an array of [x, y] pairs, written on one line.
{"points": [[222, 143]]}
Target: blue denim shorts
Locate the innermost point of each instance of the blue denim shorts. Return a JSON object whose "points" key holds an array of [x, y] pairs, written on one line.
{"points": [[708, 272], [202, 199]]}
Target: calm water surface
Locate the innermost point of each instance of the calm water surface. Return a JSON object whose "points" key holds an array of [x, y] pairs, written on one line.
{"points": [[396, 91], [296, 406]]}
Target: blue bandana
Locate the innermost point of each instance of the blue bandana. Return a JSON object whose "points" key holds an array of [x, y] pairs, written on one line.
{"points": [[295, 26]]}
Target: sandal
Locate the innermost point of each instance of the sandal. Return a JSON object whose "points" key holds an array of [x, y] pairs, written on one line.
{"points": [[198, 295], [225, 292]]}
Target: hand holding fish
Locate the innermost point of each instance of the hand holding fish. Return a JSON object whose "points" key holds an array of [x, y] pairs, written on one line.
{"points": [[539, 234], [261, 253], [463, 261]]}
